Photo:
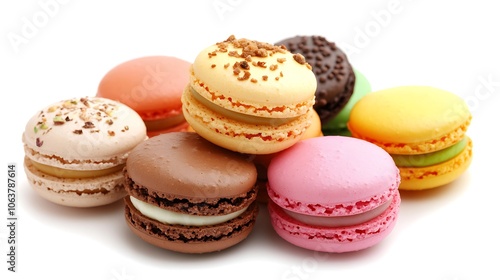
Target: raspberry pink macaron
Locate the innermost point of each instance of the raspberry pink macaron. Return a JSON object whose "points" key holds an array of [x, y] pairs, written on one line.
{"points": [[333, 194]]}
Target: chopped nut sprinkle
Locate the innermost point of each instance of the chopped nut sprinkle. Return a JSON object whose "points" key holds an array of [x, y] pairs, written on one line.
{"points": [[39, 142], [88, 124], [299, 58], [245, 76], [249, 50]]}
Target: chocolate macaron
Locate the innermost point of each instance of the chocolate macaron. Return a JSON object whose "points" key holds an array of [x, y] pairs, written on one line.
{"points": [[189, 195], [334, 73]]}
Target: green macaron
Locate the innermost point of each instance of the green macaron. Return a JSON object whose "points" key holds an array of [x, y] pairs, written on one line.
{"points": [[338, 125]]}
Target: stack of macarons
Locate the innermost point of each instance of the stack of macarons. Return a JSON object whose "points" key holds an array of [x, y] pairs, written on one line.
{"points": [[196, 192], [191, 148]]}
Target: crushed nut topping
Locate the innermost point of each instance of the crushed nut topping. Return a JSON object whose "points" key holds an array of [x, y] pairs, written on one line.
{"points": [[86, 112], [248, 50], [299, 58], [245, 76], [88, 125], [39, 142]]}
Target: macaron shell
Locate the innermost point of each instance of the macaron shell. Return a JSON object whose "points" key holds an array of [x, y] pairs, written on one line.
{"points": [[88, 133], [335, 239], [150, 85], [240, 136], [88, 192], [278, 87], [422, 178], [414, 119], [184, 164], [189, 239], [350, 176]]}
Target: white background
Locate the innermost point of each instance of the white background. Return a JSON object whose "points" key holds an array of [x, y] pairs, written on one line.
{"points": [[49, 54]]}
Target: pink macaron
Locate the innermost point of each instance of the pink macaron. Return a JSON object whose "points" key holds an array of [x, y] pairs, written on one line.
{"points": [[333, 194]]}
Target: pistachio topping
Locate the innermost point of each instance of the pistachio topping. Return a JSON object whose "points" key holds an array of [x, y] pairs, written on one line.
{"points": [[58, 120], [88, 114]]}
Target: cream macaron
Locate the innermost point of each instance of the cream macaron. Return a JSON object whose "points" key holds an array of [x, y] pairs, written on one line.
{"points": [[249, 96], [75, 150]]}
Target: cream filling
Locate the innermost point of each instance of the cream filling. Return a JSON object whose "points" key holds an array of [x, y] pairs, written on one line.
{"points": [[428, 159], [75, 174], [173, 218], [239, 116], [342, 220]]}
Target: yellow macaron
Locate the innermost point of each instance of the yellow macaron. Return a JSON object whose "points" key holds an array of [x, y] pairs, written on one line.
{"points": [[249, 96], [422, 127]]}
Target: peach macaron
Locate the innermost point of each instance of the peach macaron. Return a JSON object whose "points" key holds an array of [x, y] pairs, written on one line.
{"points": [[152, 86]]}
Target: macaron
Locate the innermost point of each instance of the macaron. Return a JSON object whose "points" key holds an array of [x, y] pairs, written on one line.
{"points": [[188, 195], [333, 194], [152, 86], [75, 150], [249, 96], [422, 127], [338, 124], [333, 71]]}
